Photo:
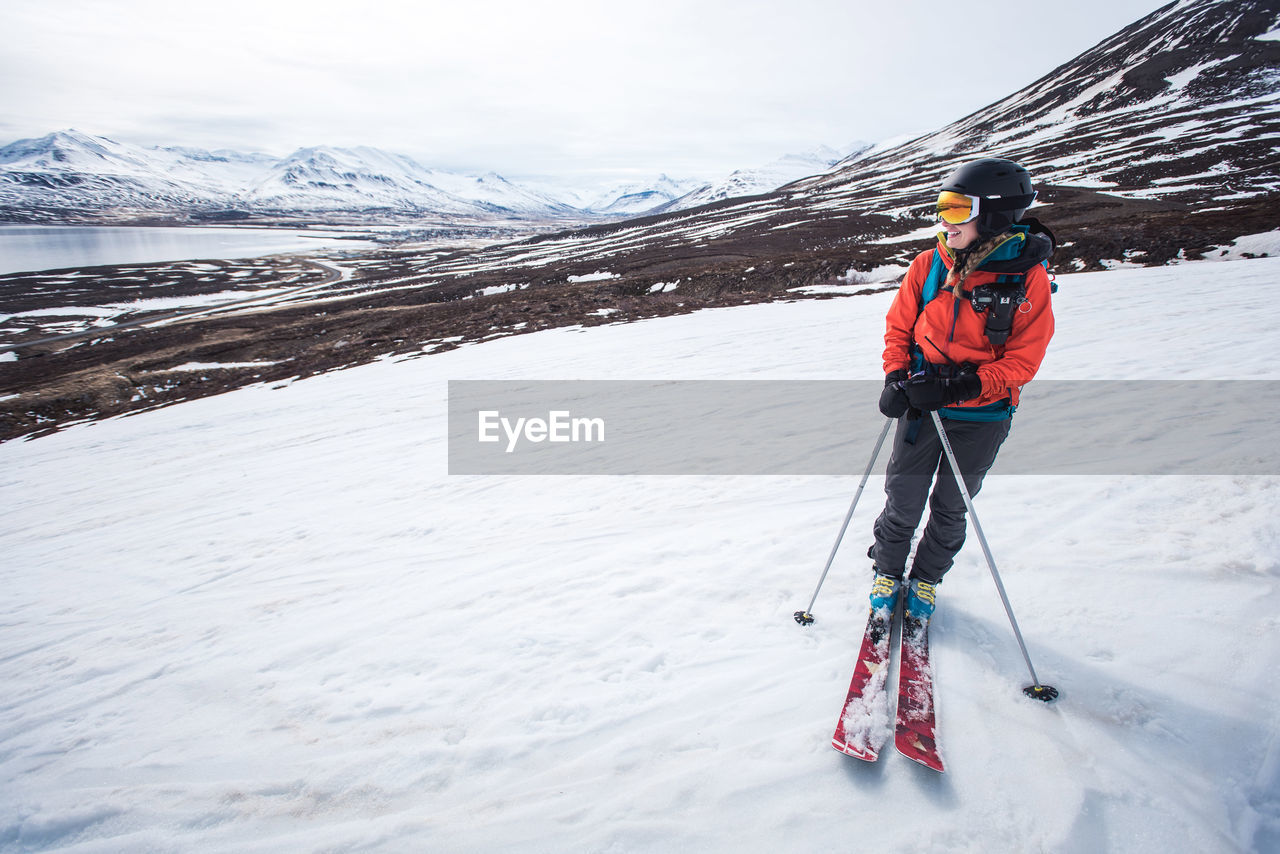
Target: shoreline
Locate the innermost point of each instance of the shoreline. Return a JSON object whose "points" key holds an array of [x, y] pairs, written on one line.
{"points": [[38, 249]]}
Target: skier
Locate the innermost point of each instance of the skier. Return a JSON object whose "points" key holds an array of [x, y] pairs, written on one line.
{"points": [[968, 328]]}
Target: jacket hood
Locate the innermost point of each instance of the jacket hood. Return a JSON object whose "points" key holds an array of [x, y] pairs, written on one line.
{"points": [[1012, 252]]}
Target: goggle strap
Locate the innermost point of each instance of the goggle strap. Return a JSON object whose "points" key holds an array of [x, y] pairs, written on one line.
{"points": [[1008, 203]]}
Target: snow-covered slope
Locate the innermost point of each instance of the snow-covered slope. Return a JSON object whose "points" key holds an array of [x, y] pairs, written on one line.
{"points": [[1183, 104], [495, 190], [272, 621]]}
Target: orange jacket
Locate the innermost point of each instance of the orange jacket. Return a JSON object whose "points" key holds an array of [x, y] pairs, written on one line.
{"points": [[952, 326]]}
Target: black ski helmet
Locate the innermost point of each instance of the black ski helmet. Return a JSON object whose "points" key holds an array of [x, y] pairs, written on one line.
{"points": [[1004, 187]]}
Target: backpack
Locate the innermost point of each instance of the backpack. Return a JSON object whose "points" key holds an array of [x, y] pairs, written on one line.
{"points": [[999, 299]]}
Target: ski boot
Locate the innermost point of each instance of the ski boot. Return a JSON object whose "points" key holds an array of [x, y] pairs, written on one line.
{"points": [[920, 599], [884, 592]]}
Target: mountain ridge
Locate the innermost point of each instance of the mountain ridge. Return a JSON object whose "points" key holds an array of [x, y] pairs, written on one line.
{"points": [[766, 178], [70, 171], [73, 175]]}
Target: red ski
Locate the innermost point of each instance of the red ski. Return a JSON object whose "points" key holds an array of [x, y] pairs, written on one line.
{"points": [[914, 731], [864, 721]]}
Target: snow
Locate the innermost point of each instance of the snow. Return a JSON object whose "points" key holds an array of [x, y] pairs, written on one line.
{"points": [[215, 366], [68, 311], [882, 273], [272, 621], [1250, 245], [194, 300], [922, 233], [492, 290], [1182, 78], [857, 280], [594, 277], [1112, 264]]}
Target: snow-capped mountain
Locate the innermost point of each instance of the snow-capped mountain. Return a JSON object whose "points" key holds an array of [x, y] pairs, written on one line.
{"points": [[492, 188], [76, 172], [70, 170], [328, 179], [664, 194], [642, 196], [769, 177]]}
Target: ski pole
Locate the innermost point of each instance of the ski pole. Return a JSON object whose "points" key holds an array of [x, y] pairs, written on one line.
{"points": [[804, 618], [1037, 691]]}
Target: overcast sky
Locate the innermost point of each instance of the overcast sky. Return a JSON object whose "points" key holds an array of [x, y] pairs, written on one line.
{"points": [[585, 90]]}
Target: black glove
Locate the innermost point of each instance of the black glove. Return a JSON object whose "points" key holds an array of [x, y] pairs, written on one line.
{"points": [[928, 393], [893, 400]]}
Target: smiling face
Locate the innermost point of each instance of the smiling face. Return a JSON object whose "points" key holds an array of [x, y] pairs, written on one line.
{"points": [[961, 236]]}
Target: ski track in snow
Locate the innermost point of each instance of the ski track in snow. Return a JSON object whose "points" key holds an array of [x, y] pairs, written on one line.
{"points": [[270, 620]]}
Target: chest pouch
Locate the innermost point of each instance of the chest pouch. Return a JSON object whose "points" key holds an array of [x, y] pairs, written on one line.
{"points": [[1000, 300]]}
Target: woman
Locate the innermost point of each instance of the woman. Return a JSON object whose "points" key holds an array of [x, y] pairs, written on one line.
{"points": [[968, 328]]}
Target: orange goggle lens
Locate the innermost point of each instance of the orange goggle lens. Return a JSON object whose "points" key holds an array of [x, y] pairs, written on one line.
{"points": [[956, 208]]}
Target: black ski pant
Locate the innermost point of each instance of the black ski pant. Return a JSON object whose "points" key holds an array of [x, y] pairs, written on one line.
{"points": [[913, 469]]}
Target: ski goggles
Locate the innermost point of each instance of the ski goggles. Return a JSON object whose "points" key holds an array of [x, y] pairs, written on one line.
{"points": [[957, 208]]}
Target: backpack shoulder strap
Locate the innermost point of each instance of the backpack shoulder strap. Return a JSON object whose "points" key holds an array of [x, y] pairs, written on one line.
{"points": [[933, 282], [929, 290]]}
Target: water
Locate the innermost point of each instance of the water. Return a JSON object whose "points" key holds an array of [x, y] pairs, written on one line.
{"points": [[28, 248]]}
